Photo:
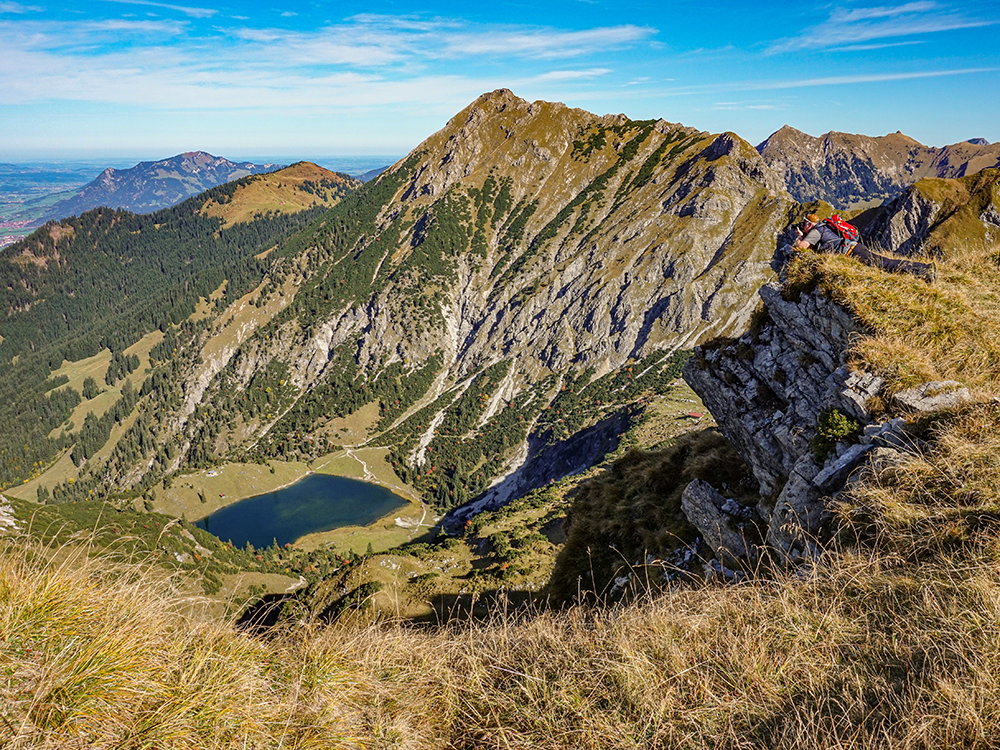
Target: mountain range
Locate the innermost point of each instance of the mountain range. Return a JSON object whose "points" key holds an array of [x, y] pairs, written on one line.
{"points": [[500, 319], [502, 299], [858, 171]]}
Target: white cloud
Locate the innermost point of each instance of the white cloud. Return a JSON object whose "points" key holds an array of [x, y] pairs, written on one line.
{"points": [[543, 43], [571, 75], [766, 85], [880, 45], [867, 78], [366, 61], [186, 10], [847, 28], [7, 7]]}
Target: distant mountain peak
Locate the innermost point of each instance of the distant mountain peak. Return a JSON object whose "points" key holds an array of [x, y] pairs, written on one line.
{"points": [[152, 185], [852, 170]]}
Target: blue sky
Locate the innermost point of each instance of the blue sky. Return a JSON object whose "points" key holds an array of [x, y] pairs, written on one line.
{"points": [[151, 79]]}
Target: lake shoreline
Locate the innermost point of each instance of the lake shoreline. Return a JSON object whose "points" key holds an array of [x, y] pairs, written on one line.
{"points": [[199, 494], [316, 503]]}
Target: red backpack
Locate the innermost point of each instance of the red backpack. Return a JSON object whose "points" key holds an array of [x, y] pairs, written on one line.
{"points": [[848, 231]]}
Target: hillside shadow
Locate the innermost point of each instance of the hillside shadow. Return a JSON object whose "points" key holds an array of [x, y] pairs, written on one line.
{"points": [[494, 605], [549, 462]]}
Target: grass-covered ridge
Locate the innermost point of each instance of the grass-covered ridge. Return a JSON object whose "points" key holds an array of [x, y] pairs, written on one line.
{"points": [[919, 332]]}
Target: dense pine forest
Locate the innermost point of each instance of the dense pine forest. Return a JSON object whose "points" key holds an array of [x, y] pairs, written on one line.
{"points": [[100, 281]]}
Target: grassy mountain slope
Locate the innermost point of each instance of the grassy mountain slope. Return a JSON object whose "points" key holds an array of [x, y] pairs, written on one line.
{"points": [[154, 185], [888, 642], [289, 190], [108, 279], [937, 214]]}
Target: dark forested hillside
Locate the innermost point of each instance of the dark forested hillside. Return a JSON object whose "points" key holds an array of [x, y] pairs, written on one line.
{"points": [[101, 281]]}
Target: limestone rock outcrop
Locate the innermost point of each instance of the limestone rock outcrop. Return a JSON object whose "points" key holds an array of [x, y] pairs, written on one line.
{"points": [[729, 529], [803, 422]]}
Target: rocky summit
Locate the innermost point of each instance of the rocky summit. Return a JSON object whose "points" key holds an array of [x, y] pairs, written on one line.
{"points": [[523, 250]]}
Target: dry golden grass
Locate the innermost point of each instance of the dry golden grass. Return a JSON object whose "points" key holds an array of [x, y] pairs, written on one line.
{"points": [[919, 332], [101, 654], [862, 653]]}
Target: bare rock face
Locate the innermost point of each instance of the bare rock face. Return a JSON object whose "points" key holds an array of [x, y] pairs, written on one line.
{"points": [[934, 396], [934, 214], [768, 389], [784, 397]]}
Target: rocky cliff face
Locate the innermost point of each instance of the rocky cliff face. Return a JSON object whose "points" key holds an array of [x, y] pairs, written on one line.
{"points": [[934, 214], [850, 171], [800, 418]]}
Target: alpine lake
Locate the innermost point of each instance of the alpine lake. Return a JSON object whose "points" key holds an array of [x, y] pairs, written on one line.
{"points": [[318, 502]]}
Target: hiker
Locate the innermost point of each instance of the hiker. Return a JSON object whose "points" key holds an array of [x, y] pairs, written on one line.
{"points": [[836, 236]]}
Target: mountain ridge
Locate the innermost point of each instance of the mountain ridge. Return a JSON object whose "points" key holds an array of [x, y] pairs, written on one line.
{"points": [[523, 249], [153, 185], [855, 171]]}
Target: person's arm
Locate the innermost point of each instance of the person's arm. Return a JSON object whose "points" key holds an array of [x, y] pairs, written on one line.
{"points": [[808, 240]]}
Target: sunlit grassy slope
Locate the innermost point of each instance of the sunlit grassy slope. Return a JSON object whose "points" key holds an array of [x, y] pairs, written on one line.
{"points": [[891, 641], [288, 190]]}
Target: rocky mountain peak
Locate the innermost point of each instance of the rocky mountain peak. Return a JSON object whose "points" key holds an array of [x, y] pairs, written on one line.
{"points": [[853, 171], [152, 185], [525, 249]]}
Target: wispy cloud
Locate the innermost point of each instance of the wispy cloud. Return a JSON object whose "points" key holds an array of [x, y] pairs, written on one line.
{"points": [[866, 78], [6, 7], [572, 75], [363, 61], [799, 83], [847, 28], [375, 41], [544, 43], [881, 45], [186, 10], [744, 106]]}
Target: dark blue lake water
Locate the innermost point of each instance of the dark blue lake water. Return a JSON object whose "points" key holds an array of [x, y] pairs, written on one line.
{"points": [[319, 502]]}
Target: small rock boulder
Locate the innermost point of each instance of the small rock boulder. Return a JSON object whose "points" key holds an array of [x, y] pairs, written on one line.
{"points": [[727, 527], [934, 396]]}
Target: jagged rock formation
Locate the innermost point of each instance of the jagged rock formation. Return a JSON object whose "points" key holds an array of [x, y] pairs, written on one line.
{"points": [[803, 422], [850, 171], [152, 185], [937, 213]]}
